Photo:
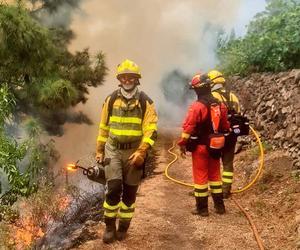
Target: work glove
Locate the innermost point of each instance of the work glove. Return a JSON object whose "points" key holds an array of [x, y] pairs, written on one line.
{"points": [[182, 146], [138, 157], [100, 152]]}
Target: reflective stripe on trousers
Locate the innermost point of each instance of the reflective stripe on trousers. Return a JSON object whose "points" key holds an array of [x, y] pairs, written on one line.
{"points": [[215, 187], [227, 177], [125, 211], [201, 190], [110, 211]]}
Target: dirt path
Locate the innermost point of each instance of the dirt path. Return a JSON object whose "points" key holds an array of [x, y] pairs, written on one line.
{"points": [[163, 219]]}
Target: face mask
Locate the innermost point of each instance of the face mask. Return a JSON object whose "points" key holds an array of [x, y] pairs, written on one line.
{"points": [[129, 94], [128, 87]]}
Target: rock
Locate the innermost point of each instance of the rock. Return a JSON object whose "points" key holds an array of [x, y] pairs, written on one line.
{"points": [[270, 103], [275, 115], [296, 74], [290, 131], [297, 118], [285, 110], [235, 78], [249, 84], [267, 114], [91, 223], [286, 94], [274, 107], [280, 134], [269, 97], [285, 145], [295, 155], [297, 133]]}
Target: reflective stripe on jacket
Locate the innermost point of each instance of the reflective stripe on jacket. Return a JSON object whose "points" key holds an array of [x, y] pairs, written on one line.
{"points": [[126, 123]]}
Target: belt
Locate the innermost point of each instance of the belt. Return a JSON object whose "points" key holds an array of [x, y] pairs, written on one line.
{"points": [[129, 145]]}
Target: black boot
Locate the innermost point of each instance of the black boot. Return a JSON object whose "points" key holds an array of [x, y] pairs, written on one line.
{"points": [[109, 235], [122, 229], [226, 191], [201, 206], [219, 203]]}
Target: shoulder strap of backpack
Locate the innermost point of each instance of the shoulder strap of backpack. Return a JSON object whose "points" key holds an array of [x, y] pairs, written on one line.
{"points": [[111, 101], [226, 97], [143, 101], [215, 116]]}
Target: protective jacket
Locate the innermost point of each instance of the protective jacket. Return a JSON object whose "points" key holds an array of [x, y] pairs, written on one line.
{"points": [[127, 122]]}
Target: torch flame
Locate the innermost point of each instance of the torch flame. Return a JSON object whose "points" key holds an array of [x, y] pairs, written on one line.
{"points": [[71, 167]]}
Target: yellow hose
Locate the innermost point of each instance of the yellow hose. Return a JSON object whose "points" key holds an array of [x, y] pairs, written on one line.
{"points": [[173, 161], [261, 164]]}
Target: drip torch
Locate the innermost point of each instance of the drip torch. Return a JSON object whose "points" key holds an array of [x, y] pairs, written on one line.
{"points": [[95, 173]]}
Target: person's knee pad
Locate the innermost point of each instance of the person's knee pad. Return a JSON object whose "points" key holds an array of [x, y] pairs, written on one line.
{"points": [[129, 194], [114, 191]]}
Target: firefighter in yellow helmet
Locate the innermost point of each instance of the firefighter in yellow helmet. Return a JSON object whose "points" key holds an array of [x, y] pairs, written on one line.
{"points": [[128, 129], [219, 91]]}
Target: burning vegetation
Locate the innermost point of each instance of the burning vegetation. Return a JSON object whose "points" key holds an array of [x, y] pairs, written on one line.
{"points": [[35, 216]]}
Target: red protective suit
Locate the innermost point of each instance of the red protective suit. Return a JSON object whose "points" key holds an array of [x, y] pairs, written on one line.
{"points": [[205, 168]]}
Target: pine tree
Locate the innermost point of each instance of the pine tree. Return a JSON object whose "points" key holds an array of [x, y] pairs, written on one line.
{"points": [[39, 81]]}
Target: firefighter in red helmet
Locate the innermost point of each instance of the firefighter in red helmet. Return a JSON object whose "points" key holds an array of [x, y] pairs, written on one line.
{"points": [[203, 135]]}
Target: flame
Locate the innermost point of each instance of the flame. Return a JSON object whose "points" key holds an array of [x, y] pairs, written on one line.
{"points": [[63, 202], [25, 232], [71, 167], [27, 229]]}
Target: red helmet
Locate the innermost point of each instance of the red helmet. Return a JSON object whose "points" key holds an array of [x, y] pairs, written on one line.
{"points": [[199, 81]]}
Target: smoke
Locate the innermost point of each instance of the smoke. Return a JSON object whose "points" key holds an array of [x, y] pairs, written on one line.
{"points": [[55, 13], [159, 36]]}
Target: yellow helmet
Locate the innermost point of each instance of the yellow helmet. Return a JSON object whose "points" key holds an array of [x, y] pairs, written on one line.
{"points": [[216, 77], [128, 67]]}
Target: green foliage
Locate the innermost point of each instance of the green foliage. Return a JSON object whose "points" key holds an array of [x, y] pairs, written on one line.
{"points": [[57, 94], [26, 48], [296, 175], [14, 153], [272, 42], [40, 80], [255, 151], [42, 74], [7, 103]]}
